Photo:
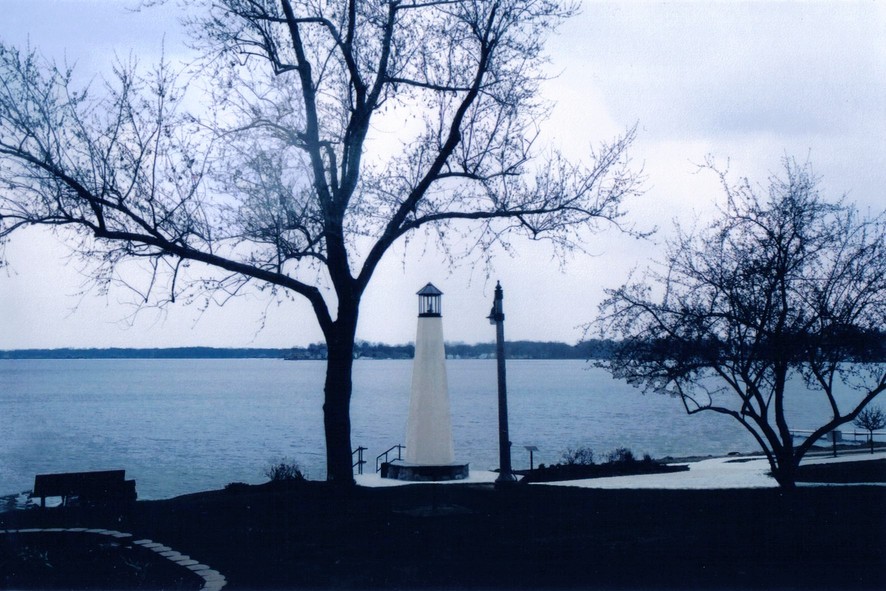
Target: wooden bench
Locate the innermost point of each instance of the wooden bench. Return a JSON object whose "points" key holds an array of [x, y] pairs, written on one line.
{"points": [[89, 488]]}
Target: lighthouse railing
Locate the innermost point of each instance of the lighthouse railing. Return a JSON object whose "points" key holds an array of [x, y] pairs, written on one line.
{"points": [[382, 458]]}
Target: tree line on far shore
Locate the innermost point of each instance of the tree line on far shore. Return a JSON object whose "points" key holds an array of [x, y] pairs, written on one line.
{"points": [[156, 353], [591, 349]]}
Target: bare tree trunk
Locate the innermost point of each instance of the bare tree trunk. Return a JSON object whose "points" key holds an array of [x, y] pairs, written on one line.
{"points": [[786, 471], [337, 398]]}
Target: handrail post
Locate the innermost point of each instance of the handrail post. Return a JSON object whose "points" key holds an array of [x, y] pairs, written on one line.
{"points": [[359, 463]]}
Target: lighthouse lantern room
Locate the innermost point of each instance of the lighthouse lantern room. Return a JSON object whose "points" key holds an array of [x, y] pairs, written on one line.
{"points": [[429, 301]]}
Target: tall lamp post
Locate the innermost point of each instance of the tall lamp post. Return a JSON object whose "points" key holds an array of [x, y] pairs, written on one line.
{"points": [[497, 317]]}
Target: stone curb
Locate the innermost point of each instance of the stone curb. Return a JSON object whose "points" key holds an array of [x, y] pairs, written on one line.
{"points": [[212, 579]]}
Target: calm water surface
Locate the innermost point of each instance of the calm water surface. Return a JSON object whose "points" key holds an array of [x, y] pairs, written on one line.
{"points": [[180, 426]]}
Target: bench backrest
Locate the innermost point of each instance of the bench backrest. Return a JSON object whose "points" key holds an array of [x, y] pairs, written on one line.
{"points": [[84, 484]]}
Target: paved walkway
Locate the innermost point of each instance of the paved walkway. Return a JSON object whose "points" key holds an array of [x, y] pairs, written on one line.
{"points": [[212, 579], [713, 473]]}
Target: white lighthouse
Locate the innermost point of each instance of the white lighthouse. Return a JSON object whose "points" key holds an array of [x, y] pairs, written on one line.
{"points": [[429, 428], [429, 449]]}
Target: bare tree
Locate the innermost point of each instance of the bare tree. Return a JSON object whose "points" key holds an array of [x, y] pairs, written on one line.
{"points": [[283, 181], [782, 285], [871, 419]]}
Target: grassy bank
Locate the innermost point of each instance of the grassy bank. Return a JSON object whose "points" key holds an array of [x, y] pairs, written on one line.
{"points": [[309, 535]]}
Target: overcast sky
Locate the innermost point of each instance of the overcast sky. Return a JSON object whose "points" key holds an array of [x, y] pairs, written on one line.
{"points": [[749, 82]]}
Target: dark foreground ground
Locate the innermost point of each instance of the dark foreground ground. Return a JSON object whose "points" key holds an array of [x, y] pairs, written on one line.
{"points": [[312, 536]]}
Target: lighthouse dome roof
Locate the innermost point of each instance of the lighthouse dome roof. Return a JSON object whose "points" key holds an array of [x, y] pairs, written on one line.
{"points": [[429, 290]]}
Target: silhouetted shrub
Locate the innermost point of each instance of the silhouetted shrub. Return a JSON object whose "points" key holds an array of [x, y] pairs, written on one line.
{"points": [[284, 470], [621, 455], [579, 456]]}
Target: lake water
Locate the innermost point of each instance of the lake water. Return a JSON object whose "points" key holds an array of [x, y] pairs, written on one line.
{"points": [[180, 426]]}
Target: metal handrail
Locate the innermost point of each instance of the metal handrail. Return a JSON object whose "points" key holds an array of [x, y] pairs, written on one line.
{"points": [[855, 433], [384, 455], [360, 461]]}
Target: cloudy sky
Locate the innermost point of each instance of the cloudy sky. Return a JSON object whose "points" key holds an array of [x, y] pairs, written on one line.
{"points": [[748, 82]]}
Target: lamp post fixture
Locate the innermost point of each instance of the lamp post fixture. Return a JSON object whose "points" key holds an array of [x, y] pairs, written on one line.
{"points": [[497, 317]]}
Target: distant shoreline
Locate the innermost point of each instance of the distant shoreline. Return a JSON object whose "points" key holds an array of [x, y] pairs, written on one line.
{"points": [[591, 349], [153, 353], [515, 350]]}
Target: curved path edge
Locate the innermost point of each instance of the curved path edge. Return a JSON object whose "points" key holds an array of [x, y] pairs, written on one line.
{"points": [[212, 579]]}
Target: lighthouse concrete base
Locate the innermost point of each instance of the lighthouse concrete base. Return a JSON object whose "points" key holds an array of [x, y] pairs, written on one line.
{"points": [[424, 473]]}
